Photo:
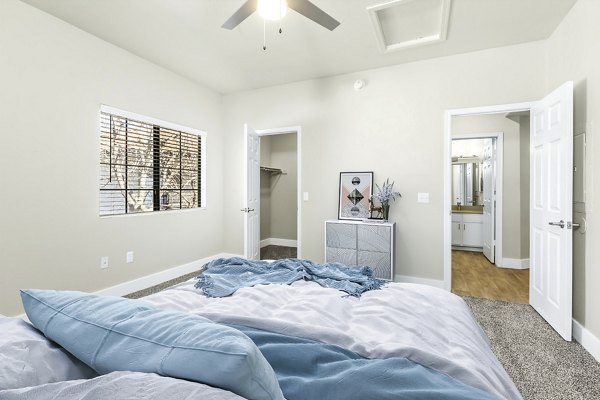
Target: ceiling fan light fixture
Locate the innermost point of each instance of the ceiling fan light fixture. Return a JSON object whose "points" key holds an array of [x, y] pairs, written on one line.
{"points": [[272, 10]]}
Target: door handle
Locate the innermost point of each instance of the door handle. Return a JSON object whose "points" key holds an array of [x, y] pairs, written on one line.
{"points": [[560, 223], [247, 210]]}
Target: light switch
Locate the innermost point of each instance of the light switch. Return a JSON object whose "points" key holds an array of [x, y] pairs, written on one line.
{"points": [[305, 196], [423, 198]]}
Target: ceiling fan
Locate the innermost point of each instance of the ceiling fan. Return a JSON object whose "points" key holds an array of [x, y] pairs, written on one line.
{"points": [[276, 9]]}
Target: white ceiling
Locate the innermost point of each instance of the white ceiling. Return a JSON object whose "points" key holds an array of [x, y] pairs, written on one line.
{"points": [[186, 37]]}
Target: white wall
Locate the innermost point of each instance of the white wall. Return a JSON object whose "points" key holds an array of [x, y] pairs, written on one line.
{"points": [[468, 148], [54, 78], [394, 127], [572, 54]]}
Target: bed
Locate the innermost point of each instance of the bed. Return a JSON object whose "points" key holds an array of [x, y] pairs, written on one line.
{"points": [[400, 341]]}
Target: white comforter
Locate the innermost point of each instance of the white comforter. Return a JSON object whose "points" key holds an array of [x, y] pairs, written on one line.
{"points": [[427, 325], [120, 385]]}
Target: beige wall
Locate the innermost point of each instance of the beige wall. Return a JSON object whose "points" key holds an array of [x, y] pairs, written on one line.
{"points": [[525, 179], [278, 193], [511, 181], [54, 78], [265, 188], [284, 198], [572, 54], [394, 127]]}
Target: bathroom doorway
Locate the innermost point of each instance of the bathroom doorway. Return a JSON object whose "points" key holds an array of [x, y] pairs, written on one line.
{"points": [[490, 226]]}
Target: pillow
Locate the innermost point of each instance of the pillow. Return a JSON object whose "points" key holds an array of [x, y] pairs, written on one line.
{"points": [[117, 334], [121, 385], [27, 358]]}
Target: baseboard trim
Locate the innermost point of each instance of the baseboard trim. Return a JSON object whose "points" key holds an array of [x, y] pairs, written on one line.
{"points": [[278, 242], [147, 281], [587, 339], [423, 281], [514, 263], [467, 248]]}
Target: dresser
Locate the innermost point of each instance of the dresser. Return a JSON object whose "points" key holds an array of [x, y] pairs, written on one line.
{"points": [[362, 243]]}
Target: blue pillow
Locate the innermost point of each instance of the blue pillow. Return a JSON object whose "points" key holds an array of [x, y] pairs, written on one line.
{"points": [[117, 334]]}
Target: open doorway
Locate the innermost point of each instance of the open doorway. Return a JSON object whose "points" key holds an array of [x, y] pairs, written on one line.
{"points": [[490, 206], [278, 194], [550, 205], [289, 158]]}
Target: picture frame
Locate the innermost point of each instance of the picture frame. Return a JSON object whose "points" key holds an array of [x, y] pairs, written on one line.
{"points": [[356, 188]]}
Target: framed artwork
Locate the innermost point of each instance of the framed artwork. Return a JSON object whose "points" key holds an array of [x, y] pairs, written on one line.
{"points": [[355, 190]]}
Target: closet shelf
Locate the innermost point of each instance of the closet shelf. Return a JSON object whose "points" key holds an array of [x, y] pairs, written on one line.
{"points": [[276, 171]]}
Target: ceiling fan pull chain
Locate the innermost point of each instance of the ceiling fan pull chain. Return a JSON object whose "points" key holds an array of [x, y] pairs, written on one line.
{"points": [[264, 34], [280, 15]]}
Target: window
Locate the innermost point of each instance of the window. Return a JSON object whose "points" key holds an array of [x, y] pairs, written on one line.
{"points": [[148, 165]]}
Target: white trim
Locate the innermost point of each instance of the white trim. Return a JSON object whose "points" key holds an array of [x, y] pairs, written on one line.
{"points": [[158, 277], [447, 159], [278, 242], [467, 248], [150, 120], [422, 281], [513, 263], [587, 339], [298, 131], [438, 36]]}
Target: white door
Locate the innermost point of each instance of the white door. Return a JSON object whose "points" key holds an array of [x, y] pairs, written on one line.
{"points": [[551, 193], [252, 204], [489, 203]]}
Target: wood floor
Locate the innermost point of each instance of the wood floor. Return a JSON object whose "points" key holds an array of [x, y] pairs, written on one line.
{"points": [[473, 275]]}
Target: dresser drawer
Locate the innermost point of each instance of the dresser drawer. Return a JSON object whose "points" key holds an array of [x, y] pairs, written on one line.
{"points": [[380, 263], [342, 236], [374, 238], [344, 256]]}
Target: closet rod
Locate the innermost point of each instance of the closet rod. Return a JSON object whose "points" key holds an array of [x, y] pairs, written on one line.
{"points": [[273, 170]]}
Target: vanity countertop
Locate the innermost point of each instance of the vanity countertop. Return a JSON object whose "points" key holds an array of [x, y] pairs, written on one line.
{"points": [[467, 209]]}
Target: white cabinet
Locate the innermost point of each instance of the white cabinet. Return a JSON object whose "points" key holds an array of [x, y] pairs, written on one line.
{"points": [[467, 230], [362, 243]]}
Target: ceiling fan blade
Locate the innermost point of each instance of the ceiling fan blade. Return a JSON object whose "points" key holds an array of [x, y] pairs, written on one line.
{"points": [[244, 12], [310, 11]]}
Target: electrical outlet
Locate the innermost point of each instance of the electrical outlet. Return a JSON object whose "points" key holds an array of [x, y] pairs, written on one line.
{"points": [[104, 262], [129, 257]]}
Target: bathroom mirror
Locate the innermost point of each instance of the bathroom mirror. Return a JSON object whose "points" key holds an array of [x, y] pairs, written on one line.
{"points": [[467, 182]]}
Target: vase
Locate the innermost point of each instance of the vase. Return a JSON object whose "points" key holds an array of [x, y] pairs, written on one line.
{"points": [[385, 208]]}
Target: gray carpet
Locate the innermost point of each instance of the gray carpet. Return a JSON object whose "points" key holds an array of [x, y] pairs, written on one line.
{"points": [[539, 361]]}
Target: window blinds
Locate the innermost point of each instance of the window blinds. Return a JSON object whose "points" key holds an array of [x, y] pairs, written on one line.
{"points": [[146, 167]]}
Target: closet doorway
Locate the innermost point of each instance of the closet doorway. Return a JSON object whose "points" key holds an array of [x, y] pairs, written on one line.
{"points": [[273, 188], [278, 194]]}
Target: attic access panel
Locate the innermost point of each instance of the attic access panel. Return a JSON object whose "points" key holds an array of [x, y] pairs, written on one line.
{"points": [[401, 24]]}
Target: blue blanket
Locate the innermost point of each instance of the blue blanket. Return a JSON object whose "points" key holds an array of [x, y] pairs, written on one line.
{"points": [[223, 276], [310, 370]]}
